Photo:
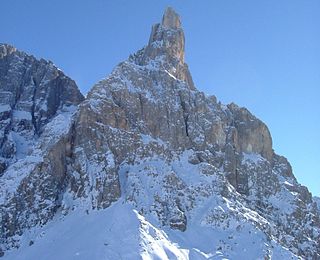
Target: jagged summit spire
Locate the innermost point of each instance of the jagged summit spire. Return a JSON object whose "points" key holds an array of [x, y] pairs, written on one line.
{"points": [[166, 44], [171, 19], [167, 37]]}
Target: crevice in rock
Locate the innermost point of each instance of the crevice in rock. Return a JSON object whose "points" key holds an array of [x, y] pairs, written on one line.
{"points": [[6, 132], [167, 114], [18, 94], [34, 120], [141, 106], [236, 179], [185, 115], [71, 140]]}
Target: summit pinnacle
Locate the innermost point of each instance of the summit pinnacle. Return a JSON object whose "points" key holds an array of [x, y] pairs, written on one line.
{"points": [[167, 38], [167, 45], [171, 19]]}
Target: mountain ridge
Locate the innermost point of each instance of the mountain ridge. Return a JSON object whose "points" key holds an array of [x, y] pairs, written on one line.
{"points": [[146, 137]]}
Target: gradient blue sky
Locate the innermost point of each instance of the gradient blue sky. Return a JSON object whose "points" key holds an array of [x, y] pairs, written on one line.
{"points": [[264, 55]]}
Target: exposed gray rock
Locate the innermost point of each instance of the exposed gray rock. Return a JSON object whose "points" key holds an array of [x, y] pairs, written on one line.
{"points": [[171, 19], [31, 93], [36, 104], [253, 136], [148, 107], [317, 201], [146, 134]]}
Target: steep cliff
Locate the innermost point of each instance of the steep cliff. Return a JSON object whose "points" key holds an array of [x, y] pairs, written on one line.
{"points": [[36, 104]]}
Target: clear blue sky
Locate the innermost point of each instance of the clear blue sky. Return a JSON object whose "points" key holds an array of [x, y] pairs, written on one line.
{"points": [[264, 55]]}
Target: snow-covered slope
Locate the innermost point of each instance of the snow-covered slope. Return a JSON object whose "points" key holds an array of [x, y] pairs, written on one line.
{"points": [[121, 232], [156, 169]]}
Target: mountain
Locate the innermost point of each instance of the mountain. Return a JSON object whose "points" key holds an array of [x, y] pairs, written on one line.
{"points": [[36, 104], [147, 166]]}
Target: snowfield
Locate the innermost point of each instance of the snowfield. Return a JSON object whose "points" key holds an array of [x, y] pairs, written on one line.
{"points": [[120, 232]]}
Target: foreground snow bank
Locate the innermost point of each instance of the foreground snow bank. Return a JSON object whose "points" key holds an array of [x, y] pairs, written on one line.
{"points": [[120, 232]]}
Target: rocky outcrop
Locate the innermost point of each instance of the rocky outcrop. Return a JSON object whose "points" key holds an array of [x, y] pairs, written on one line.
{"points": [[31, 93], [252, 135], [167, 45], [317, 202], [36, 105]]}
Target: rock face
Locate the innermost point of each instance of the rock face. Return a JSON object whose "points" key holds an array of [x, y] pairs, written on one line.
{"points": [[36, 103], [317, 201], [31, 93], [146, 136]]}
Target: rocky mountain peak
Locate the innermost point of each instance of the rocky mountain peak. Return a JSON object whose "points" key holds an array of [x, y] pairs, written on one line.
{"points": [[167, 38], [171, 19], [144, 146], [166, 48]]}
